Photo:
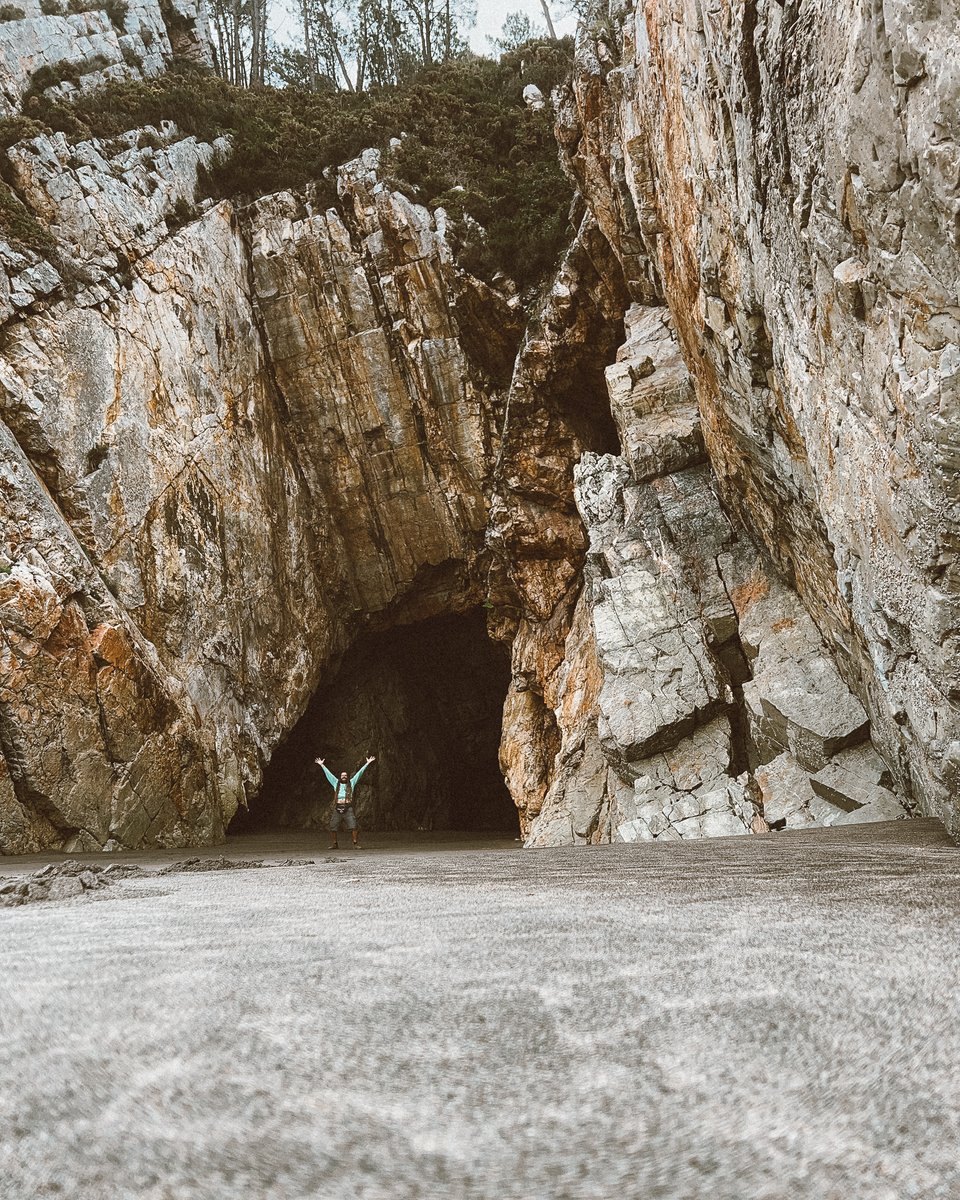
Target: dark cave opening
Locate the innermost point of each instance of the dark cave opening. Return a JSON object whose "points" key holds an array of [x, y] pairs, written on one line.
{"points": [[581, 396], [427, 700]]}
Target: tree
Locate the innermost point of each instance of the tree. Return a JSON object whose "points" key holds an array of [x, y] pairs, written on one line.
{"points": [[567, 8], [517, 29], [439, 26], [357, 44], [239, 40], [258, 41], [288, 66], [383, 45]]}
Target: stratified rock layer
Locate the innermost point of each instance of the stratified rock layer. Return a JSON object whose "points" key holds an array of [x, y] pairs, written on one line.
{"points": [[706, 493], [268, 430], [687, 666], [785, 179]]}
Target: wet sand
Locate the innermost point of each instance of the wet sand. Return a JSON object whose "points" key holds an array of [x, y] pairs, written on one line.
{"points": [[739, 1019], [274, 847]]}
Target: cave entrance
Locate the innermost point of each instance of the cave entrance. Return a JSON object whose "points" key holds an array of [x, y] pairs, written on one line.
{"points": [[427, 700]]}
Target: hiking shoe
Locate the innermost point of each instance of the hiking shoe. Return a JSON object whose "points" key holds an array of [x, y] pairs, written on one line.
{"points": [[357, 846]]}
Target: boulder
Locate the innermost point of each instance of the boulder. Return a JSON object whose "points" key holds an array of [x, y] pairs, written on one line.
{"points": [[533, 97], [850, 785]]}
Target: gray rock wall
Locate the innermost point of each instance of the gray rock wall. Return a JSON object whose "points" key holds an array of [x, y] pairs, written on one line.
{"points": [[784, 178], [263, 432], [707, 491], [695, 695], [82, 50]]}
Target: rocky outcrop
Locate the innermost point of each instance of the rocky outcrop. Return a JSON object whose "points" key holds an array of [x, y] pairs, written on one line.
{"points": [[264, 433], [785, 181], [556, 410], [99, 743], [58, 47], [688, 666], [704, 491]]}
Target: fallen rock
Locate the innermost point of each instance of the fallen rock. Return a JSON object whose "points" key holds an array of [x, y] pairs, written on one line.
{"points": [[875, 810], [851, 781], [65, 887], [806, 708], [687, 791], [210, 864], [787, 795], [56, 881], [795, 700]]}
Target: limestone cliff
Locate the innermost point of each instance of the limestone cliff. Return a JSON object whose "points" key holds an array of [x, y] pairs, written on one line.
{"points": [[784, 180], [64, 45], [704, 489], [240, 439]]}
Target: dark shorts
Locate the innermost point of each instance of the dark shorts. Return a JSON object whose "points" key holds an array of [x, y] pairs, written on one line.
{"points": [[342, 816]]}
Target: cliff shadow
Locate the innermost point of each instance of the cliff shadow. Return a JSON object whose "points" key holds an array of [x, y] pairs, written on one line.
{"points": [[427, 700]]}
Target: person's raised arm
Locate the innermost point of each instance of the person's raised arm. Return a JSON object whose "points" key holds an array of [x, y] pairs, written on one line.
{"points": [[356, 779], [331, 778]]}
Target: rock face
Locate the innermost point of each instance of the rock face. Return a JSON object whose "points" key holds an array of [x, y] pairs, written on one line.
{"points": [[705, 492], [785, 181], [688, 667], [266, 430], [60, 47]]}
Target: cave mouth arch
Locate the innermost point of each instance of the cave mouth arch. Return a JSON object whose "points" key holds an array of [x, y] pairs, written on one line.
{"points": [[427, 700]]}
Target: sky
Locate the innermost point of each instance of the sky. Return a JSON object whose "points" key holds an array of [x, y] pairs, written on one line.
{"points": [[490, 18], [491, 14]]}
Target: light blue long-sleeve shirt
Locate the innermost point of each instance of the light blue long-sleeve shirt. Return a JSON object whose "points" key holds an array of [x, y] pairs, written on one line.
{"points": [[339, 787]]}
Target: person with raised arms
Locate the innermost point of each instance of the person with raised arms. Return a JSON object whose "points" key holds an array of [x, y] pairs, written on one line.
{"points": [[343, 811]]}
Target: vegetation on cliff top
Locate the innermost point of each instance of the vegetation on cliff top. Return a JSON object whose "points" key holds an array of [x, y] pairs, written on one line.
{"points": [[468, 142]]}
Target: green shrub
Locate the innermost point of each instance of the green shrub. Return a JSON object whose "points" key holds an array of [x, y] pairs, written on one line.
{"points": [[54, 74], [10, 12], [183, 211], [466, 125], [19, 226], [18, 129], [51, 8], [117, 11]]}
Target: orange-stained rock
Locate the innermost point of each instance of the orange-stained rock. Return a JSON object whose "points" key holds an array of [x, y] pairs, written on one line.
{"points": [[780, 182], [278, 433], [707, 491]]}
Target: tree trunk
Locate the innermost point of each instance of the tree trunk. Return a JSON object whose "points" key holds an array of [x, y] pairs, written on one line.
{"points": [[546, 12], [220, 57], [308, 44], [392, 39], [255, 43], [342, 65], [237, 56], [426, 37]]}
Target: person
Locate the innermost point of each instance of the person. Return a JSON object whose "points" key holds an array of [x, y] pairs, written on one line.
{"points": [[343, 812]]}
